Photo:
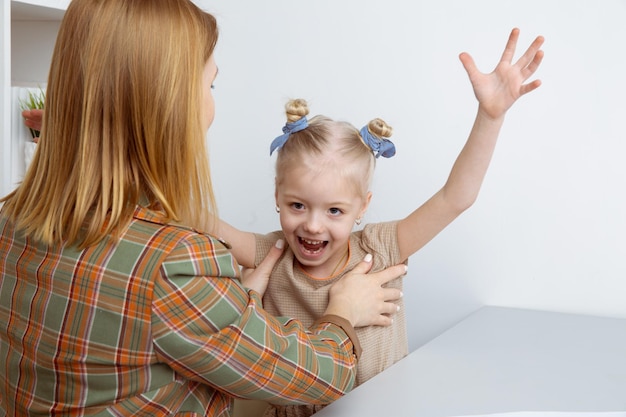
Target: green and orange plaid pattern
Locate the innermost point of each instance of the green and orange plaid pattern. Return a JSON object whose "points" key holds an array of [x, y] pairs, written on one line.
{"points": [[154, 324]]}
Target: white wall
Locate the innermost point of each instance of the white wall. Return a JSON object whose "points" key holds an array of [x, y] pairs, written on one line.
{"points": [[549, 229]]}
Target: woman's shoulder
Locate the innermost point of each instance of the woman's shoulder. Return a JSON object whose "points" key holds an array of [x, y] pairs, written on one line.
{"points": [[151, 228], [178, 249]]}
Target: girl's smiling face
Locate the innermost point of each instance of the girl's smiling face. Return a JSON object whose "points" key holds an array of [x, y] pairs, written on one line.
{"points": [[318, 209]]}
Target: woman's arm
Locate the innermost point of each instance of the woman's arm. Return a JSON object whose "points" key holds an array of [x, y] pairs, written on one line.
{"points": [[208, 328]]}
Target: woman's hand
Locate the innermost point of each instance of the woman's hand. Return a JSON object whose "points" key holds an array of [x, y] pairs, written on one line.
{"points": [[257, 278], [496, 92], [360, 297]]}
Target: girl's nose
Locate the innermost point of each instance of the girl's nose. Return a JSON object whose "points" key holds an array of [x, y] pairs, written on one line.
{"points": [[313, 224]]}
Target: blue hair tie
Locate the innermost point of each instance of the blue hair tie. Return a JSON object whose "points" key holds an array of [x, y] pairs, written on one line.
{"points": [[288, 129], [379, 146]]}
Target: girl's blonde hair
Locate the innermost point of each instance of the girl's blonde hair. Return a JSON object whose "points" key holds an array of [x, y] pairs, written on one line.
{"points": [[329, 139], [122, 123]]}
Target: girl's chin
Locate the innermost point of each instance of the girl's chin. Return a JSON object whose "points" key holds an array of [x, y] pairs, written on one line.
{"points": [[310, 261]]}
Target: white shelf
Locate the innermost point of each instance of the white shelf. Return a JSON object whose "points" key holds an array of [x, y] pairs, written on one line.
{"points": [[27, 37], [38, 10]]}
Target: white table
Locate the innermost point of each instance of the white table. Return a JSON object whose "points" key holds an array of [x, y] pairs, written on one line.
{"points": [[502, 360]]}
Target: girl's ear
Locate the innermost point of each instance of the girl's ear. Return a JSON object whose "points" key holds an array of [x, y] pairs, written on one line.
{"points": [[366, 204]]}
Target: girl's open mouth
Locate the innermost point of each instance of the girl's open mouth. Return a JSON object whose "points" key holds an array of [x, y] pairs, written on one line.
{"points": [[312, 247]]}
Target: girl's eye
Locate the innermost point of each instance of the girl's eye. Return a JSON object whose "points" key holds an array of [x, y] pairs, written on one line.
{"points": [[297, 206], [335, 211]]}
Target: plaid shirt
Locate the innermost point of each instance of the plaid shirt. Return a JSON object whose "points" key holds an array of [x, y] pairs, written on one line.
{"points": [[151, 325]]}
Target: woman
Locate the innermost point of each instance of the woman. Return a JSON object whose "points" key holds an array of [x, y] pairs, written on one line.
{"points": [[115, 299]]}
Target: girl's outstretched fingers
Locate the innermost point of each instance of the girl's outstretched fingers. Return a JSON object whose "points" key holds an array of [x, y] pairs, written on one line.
{"points": [[498, 90]]}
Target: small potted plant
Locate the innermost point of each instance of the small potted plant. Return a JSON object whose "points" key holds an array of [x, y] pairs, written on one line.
{"points": [[35, 100]]}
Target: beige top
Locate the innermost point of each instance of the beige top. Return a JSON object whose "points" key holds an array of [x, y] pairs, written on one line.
{"points": [[293, 293]]}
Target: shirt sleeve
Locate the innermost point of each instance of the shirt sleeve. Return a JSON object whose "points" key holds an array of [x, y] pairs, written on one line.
{"points": [[208, 328]]}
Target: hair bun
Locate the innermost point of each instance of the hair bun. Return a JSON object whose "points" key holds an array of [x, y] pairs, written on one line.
{"points": [[380, 128], [296, 109]]}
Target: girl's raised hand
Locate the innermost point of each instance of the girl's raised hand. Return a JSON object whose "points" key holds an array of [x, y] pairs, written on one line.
{"points": [[497, 91]]}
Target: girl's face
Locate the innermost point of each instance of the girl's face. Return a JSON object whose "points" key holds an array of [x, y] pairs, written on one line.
{"points": [[317, 213], [208, 104]]}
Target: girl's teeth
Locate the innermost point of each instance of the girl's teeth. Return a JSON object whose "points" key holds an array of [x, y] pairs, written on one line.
{"points": [[312, 246]]}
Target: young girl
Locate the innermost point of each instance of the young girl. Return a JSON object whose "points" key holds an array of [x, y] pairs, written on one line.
{"points": [[323, 172]]}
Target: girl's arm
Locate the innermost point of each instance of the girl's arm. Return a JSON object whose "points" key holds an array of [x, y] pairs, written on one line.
{"points": [[243, 243], [496, 92]]}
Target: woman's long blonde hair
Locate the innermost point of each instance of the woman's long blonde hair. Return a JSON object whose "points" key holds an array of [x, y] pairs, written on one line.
{"points": [[122, 123]]}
